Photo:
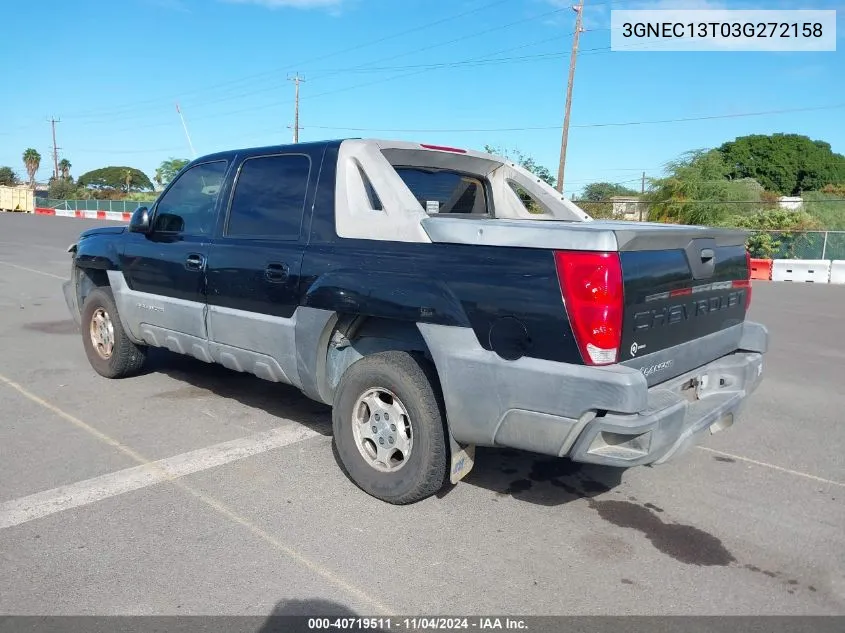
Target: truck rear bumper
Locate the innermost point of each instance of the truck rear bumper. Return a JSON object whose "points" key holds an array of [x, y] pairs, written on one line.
{"points": [[703, 401], [604, 415]]}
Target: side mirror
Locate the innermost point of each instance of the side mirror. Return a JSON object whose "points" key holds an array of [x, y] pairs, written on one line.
{"points": [[140, 221]]}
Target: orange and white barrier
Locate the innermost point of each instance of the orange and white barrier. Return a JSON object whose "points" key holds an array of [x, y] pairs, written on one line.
{"points": [[837, 271], [801, 270], [761, 269], [117, 216]]}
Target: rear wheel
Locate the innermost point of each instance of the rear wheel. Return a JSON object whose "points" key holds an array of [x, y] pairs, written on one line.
{"points": [[110, 351], [389, 427]]}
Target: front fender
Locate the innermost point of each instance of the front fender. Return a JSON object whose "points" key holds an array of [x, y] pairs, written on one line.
{"points": [[97, 253]]}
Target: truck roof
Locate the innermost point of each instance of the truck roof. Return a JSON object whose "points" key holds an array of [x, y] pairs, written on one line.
{"points": [[381, 143]]}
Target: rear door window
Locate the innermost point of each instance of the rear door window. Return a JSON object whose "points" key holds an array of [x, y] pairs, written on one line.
{"points": [[269, 197], [441, 191]]}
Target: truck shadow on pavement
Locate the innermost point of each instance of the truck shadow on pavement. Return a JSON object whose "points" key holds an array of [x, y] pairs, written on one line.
{"points": [[540, 479], [528, 477], [202, 379], [280, 621]]}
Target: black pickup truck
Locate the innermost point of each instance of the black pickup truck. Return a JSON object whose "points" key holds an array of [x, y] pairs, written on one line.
{"points": [[437, 298]]}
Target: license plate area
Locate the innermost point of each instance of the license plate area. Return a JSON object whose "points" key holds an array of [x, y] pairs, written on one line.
{"points": [[692, 389]]}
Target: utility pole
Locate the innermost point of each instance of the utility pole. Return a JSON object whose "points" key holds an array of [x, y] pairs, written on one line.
{"points": [[579, 12], [640, 203], [53, 121], [296, 79]]}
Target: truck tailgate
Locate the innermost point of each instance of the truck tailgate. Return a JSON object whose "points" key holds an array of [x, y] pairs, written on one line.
{"points": [[673, 297]]}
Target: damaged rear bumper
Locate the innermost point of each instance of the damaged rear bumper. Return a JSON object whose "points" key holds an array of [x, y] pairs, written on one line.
{"points": [[604, 415]]}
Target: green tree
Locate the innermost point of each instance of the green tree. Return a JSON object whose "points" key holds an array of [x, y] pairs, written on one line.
{"points": [[786, 163], [168, 169], [31, 162], [8, 177], [61, 189], [595, 198], [116, 178], [526, 162], [64, 168], [777, 232], [604, 191], [696, 190]]}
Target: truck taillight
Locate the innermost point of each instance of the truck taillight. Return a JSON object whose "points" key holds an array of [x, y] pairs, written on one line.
{"points": [[591, 285], [745, 283]]}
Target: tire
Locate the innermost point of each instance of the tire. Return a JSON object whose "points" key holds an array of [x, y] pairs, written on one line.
{"points": [[125, 358], [413, 382]]}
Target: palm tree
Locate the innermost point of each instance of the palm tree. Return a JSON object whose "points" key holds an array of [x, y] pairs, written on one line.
{"points": [[127, 178], [31, 161], [64, 168]]}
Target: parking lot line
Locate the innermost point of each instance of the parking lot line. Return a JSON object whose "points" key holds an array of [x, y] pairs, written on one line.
{"points": [[32, 270], [797, 473], [211, 502], [82, 493]]}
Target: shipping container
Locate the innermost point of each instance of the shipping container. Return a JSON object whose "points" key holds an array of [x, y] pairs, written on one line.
{"points": [[16, 199]]}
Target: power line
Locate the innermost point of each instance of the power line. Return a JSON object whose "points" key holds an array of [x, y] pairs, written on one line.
{"points": [[585, 125], [734, 201], [127, 151], [456, 40], [334, 91], [459, 63], [481, 60], [382, 80], [400, 76], [720, 116], [128, 107], [121, 110]]}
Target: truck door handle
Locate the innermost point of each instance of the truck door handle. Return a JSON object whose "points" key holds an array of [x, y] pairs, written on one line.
{"points": [[276, 272], [195, 261]]}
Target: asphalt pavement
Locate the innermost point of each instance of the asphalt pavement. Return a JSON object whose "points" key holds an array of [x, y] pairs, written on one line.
{"points": [[195, 490]]}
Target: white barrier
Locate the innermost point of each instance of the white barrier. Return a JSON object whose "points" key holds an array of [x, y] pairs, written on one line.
{"points": [[801, 270], [837, 271]]}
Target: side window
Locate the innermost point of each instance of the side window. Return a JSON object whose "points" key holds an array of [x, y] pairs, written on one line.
{"points": [[269, 197], [445, 191], [531, 204], [189, 205]]}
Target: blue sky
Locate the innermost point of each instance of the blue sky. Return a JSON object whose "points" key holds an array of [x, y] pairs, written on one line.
{"points": [[112, 71]]}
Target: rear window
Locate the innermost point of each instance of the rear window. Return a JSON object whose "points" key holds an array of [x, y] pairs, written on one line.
{"points": [[444, 191]]}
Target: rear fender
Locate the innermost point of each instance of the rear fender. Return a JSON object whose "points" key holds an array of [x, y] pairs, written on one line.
{"points": [[386, 295]]}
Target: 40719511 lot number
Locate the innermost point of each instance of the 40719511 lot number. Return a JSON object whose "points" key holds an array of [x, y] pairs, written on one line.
{"points": [[417, 623]]}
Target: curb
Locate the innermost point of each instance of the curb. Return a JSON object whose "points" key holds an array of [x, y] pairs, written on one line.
{"points": [[119, 216]]}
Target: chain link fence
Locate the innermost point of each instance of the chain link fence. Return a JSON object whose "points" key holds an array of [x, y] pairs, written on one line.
{"points": [[123, 206], [797, 244]]}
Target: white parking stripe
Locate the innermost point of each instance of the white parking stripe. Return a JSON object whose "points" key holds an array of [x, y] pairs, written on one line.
{"points": [[797, 473], [217, 506], [32, 270], [82, 493]]}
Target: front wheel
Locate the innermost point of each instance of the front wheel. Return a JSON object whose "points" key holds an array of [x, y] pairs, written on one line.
{"points": [[110, 351], [389, 427]]}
